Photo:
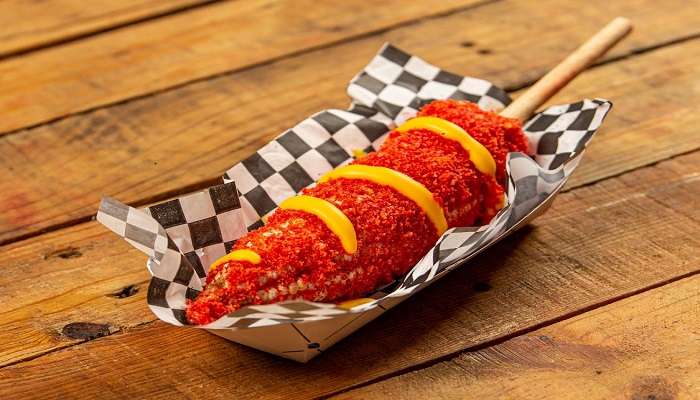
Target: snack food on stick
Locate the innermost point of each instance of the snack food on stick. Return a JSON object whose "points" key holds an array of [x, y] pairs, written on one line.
{"points": [[368, 223], [365, 224]]}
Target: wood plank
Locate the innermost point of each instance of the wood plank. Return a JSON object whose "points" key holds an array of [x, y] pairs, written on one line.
{"points": [[175, 49], [58, 172], [643, 347], [57, 279], [597, 243], [30, 25]]}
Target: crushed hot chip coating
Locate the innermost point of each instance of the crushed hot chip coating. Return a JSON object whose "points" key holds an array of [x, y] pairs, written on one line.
{"points": [[302, 259]]}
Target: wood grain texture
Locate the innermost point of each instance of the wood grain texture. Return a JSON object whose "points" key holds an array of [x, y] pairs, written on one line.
{"points": [[177, 140], [29, 25], [72, 276], [644, 347], [593, 49], [180, 48], [596, 244]]}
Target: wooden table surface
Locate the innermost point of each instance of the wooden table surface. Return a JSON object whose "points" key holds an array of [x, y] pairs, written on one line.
{"points": [[144, 100]]}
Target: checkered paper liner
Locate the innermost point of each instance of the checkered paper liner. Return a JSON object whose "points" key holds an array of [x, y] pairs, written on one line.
{"points": [[183, 236]]}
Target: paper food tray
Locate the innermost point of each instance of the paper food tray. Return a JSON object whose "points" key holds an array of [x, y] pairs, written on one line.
{"points": [[182, 237]]}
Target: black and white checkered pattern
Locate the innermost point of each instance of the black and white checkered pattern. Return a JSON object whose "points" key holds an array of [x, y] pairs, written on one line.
{"points": [[185, 235], [397, 84], [135, 226], [559, 132], [203, 225], [530, 186], [181, 237], [298, 157]]}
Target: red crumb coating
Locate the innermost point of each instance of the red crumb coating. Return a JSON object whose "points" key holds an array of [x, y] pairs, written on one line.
{"points": [[302, 259], [500, 135], [392, 231], [443, 166]]}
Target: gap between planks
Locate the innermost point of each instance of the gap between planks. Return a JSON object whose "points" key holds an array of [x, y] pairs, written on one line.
{"points": [[480, 346], [127, 137], [611, 352], [499, 340], [348, 39], [203, 184], [268, 61], [80, 35], [615, 58], [417, 367]]}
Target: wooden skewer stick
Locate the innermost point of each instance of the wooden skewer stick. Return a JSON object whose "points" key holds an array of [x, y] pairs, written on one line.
{"points": [[524, 106]]}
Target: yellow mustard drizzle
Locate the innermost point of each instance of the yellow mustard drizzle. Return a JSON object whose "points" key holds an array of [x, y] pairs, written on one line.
{"points": [[239, 255], [404, 184], [479, 155], [358, 153], [346, 305], [334, 219]]}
